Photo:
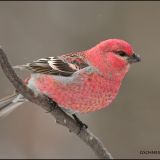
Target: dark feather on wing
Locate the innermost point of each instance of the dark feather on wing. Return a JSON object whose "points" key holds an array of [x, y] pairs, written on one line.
{"points": [[64, 65]]}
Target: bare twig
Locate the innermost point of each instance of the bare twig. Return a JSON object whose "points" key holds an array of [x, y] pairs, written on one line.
{"points": [[60, 116]]}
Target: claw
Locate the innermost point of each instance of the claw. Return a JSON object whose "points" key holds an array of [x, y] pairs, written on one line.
{"points": [[52, 103], [80, 123]]}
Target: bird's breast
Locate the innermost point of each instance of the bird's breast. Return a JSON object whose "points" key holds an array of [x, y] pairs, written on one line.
{"points": [[89, 92]]}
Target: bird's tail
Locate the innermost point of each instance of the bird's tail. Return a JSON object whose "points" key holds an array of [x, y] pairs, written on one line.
{"points": [[10, 103]]}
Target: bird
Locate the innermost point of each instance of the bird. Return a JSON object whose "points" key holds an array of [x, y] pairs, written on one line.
{"points": [[79, 82]]}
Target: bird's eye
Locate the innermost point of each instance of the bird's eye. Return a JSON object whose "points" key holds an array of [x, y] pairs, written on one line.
{"points": [[121, 53]]}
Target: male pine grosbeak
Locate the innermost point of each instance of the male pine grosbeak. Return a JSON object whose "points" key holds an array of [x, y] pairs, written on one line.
{"points": [[78, 82]]}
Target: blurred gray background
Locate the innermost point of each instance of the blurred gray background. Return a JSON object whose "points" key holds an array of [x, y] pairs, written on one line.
{"points": [[32, 30]]}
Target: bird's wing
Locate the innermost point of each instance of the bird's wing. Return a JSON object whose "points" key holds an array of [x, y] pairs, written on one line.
{"points": [[64, 65]]}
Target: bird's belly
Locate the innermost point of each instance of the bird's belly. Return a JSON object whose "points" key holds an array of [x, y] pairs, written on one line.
{"points": [[91, 93]]}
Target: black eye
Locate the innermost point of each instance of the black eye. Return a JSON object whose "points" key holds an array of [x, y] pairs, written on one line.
{"points": [[121, 53]]}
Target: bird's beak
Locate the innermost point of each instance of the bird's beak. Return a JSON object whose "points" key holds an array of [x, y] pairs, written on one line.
{"points": [[134, 58]]}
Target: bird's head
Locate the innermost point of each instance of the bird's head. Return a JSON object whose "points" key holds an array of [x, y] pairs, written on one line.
{"points": [[114, 53], [118, 51]]}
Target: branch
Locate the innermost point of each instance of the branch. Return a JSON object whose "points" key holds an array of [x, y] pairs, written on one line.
{"points": [[61, 117]]}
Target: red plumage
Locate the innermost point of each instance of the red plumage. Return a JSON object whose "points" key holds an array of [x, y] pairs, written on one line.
{"points": [[84, 81]]}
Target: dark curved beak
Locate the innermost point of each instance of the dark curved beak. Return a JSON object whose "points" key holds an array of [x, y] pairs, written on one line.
{"points": [[134, 58]]}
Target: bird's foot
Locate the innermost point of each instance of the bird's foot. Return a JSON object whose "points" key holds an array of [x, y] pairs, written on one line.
{"points": [[53, 105], [80, 123]]}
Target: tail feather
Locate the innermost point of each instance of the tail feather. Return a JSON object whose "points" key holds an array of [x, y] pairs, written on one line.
{"points": [[10, 103], [8, 98]]}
